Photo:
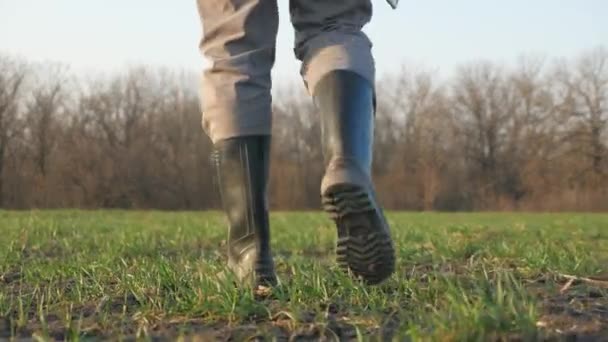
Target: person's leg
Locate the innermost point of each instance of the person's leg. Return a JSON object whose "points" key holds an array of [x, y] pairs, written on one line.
{"points": [[239, 40], [338, 70]]}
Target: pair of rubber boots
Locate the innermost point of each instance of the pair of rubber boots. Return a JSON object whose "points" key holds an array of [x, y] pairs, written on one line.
{"points": [[365, 247]]}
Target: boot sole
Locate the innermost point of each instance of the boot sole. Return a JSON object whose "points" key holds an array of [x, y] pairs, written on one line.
{"points": [[364, 248]]}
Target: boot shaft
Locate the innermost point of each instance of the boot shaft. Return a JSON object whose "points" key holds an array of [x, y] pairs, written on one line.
{"points": [[346, 104], [242, 167], [242, 173]]}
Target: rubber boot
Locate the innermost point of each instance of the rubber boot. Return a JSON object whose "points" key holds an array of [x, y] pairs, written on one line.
{"points": [[365, 246], [242, 175]]}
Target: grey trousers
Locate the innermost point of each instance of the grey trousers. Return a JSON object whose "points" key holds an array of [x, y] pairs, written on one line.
{"points": [[239, 39]]}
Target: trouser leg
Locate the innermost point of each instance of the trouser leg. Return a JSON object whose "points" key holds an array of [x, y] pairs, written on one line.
{"points": [[239, 41], [329, 37]]}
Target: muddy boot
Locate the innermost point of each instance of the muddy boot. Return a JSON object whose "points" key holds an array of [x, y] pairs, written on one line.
{"points": [[365, 247], [242, 175]]}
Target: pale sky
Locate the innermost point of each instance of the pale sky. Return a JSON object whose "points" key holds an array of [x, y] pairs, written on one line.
{"points": [[105, 35]]}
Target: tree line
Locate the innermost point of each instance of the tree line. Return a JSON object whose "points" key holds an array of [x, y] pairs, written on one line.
{"points": [[531, 135]]}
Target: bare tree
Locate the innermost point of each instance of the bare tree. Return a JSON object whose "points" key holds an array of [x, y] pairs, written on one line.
{"points": [[43, 111], [297, 161], [12, 77], [424, 129], [484, 102], [586, 108]]}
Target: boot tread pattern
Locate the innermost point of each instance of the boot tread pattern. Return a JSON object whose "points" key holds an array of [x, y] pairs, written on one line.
{"points": [[364, 247], [351, 202]]}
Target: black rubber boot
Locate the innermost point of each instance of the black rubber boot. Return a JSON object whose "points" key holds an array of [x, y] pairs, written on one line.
{"points": [[365, 246], [242, 176]]}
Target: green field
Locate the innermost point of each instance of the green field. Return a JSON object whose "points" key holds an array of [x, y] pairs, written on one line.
{"points": [[115, 274]]}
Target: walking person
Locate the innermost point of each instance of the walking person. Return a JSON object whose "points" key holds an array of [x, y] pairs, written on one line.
{"points": [[239, 39]]}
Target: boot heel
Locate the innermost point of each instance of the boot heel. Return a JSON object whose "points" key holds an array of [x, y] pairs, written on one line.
{"points": [[364, 246]]}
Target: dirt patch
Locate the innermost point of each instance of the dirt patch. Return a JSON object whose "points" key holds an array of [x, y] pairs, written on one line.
{"points": [[46, 251], [10, 276], [577, 311]]}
